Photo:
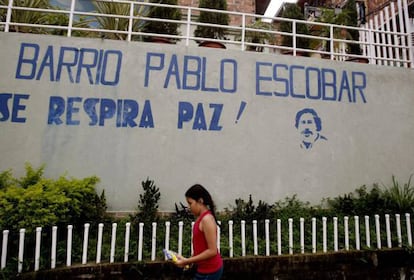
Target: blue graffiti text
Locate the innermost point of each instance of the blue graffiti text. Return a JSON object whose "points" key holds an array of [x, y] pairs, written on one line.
{"points": [[190, 73], [325, 84], [11, 105], [187, 113], [121, 112], [69, 63]]}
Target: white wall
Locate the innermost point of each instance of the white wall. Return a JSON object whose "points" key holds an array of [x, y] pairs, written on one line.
{"points": [[258, 152]]}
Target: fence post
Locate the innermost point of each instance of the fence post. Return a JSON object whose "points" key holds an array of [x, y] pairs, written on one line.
{"points": [[408, 223], [8, 16], [53, 250], [398, 224], [4, 248], [127, 234], [69, 246], [302, 235], [255, 250], [85, 243], [130, 21], [243, 37], [402, 30], [346, 232], [313, 235], [37, 247], [243, 237], [99, 243], [230, 238], [188, 27], [218, 235], [180, 237], [388, 230], [140, 237], [154, 241], [394, 28], [324, 235], [367, 232], [335, 228], [70, 24], [167, 236], [357, 237], [290, 223], [279, 236], [191, 243], [113, 242], [408, 31], [378, 230], [21, 250], [267, 238]]}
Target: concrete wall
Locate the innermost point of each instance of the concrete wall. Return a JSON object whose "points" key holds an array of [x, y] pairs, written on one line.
{"points": [[225, 119], [364, 265]]}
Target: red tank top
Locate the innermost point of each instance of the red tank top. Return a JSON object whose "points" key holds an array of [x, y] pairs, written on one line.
{"points": [[200, 244]]}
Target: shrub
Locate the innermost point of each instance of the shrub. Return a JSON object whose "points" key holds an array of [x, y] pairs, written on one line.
{"points": [[33, 200], [399, 198], [148, 203]]}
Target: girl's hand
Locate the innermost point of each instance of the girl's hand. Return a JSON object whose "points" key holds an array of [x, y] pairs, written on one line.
{"points": [[181, 262]]}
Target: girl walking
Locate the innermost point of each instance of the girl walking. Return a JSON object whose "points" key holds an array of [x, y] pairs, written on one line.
{"points": [[206, 255]]}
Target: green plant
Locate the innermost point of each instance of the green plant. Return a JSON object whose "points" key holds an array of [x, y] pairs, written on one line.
{"points": [[34, 201], [331, 16], [359, 202], [119, 20], [169, 13], [29, 17], [148, 203], [293, 11], [400, 198], [213, 18], [351, 11], [257, 33]]}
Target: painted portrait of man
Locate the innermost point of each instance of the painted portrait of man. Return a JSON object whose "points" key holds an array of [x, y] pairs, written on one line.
{"points": [[309, 125]]}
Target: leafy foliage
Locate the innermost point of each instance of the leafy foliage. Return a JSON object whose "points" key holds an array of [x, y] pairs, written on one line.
{"points": [[32, 200], [214, 18], [148, 203], [115, 18], [31, 17], [293, 11], [163, 27], [350, 10], [399, 197]]}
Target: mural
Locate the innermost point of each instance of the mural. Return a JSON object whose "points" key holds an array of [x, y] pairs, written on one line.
{"points": [[236, 121], [309, 125]]}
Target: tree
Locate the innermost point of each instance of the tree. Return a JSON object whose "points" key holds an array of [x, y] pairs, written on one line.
{"points": [[119, 23], [351, 11], [169, 13], [214, 18], [293, 11]]}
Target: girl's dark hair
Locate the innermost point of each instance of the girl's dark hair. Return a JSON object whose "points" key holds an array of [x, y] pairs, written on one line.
{"points": [[196, 192]]}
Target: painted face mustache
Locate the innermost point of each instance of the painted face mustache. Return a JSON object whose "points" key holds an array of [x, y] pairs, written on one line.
{"points": [[307, 132]]}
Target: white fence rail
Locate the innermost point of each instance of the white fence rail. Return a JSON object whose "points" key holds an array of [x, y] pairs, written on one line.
{"points": [[388, 43], [263, 238]]}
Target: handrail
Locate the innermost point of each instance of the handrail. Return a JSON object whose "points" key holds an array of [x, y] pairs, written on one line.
{"points": [[238, 36]]}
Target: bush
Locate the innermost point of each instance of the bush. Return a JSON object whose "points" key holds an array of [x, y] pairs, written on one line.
{"points": [[34, 201], [148, 203]]}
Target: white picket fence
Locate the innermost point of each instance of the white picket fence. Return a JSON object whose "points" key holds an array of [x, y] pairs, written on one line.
{"points": [[386, 43], [331, 241]]}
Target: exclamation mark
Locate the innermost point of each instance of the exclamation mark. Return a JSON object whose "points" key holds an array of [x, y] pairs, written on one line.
{"points": [[241, 109]]}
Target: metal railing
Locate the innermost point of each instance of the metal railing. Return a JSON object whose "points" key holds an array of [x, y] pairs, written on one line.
{"points": [[51, 247], [128, 25]]}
